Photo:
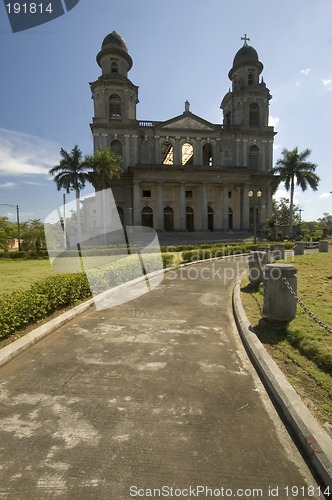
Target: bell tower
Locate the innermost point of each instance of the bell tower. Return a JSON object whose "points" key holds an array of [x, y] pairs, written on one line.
{"points": [[247, 105], [115, 96]]}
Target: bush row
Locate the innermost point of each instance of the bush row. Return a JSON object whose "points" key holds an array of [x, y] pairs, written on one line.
{"points": [[25, 307]]}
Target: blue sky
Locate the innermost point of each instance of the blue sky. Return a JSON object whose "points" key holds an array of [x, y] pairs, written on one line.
{"points": [[182, 49]]}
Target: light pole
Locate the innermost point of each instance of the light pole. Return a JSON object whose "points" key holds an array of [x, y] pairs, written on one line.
{"points": [[254, 197], [18, 223]]}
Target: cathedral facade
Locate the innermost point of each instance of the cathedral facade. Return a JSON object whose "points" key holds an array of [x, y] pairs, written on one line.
{"points": [[187, 174]]}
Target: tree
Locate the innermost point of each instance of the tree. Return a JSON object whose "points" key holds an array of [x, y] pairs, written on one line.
{"points": [[8, 231], [105, 165], [71, 175], [33, 235], [293, 167]]}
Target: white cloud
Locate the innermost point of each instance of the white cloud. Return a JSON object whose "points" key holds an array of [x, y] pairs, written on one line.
{"points": [[26, 154], [327, 83], [305, 71], [273, 121], [7, 185], [324, 196]]}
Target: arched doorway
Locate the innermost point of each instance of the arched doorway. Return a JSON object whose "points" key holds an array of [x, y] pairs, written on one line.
{"points": [[190, 220], [230, 218], [168, 219], [147, 217], [210, 219]]}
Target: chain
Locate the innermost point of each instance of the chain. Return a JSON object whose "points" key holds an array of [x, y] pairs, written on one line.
{"points": [[311, 314]]}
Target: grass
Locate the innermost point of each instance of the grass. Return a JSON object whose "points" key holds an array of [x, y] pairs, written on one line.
{"points": [[18, 274], [302, 349]]}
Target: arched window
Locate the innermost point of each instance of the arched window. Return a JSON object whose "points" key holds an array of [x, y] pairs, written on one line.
{"points": [[147, 217], [114, 67], [250, 78], [208, 155], [254, 156], [190, 223], [116, 147], [254, 115], [115, 107], [167, 153], [168, 219], [187, 154]]}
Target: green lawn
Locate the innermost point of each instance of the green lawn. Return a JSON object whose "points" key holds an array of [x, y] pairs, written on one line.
{"points": [[20, 273], [303, 349]]}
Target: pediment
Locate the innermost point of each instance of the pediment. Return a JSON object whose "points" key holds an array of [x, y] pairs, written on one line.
{"points": [[189, 122]]}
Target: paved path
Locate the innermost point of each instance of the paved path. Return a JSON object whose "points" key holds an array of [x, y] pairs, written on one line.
{"points": [[156, 392]]}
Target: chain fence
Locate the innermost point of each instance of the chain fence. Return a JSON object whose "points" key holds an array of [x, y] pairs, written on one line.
{"points": [[306, 309]]}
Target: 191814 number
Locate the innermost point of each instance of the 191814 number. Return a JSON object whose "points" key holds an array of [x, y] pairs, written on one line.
{"points": [[28, 8]]}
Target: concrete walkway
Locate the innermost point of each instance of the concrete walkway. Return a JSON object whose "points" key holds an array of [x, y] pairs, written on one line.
{"points": [[154, 393]]}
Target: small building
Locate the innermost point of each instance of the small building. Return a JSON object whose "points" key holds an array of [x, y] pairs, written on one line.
{"points": [[186, 173]]}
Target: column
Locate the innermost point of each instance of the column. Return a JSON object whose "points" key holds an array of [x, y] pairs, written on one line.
{"points": [[160, 207], [127, 152], [135, 144], [137, 204], [245, 208], [237, 153], [198, 151], [177, 152], [157, 149], [245, 152], [218, 212], [225, 209], [182, 207], [204, 208]]}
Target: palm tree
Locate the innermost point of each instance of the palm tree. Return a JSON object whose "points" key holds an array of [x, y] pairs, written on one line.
{"points": [[294, 167], [71, 174], [105, 165]]}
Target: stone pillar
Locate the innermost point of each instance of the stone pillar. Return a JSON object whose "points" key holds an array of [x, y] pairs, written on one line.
{"points": [[225, 208], [160, 207], [218, 210], [245, 208], [279, 303], [127, 151], [323, 246], [257, 261], [135, 145], [299, 248], [279, 251], [267, 250], [157, 149], [177, 155], [204, 225], [245, 152], [137, 204], [182, 207]]}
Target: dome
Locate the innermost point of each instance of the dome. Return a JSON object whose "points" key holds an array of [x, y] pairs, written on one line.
{"points": [[114, 45], [113, 40], [246, 56]]}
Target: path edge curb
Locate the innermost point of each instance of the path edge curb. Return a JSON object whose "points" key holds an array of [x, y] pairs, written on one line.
{"points": [[312, 439]]}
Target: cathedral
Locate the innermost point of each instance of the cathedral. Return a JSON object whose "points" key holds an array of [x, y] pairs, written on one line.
{"points": [[186, 174]]}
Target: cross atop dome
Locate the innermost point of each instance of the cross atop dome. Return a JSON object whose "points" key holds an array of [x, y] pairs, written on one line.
{"points": [[245, 38]]}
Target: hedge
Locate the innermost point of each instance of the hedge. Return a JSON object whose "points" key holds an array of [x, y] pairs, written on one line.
{"points": [[25, 307], [22, 308]]}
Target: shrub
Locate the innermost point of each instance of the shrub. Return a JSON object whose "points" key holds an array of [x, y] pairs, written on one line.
{"points": [[24, 307]]}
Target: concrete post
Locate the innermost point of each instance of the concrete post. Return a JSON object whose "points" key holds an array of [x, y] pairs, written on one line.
{"points": [[299, 248], [323, 246], [257, 261], [279, 251], [279, 304], [267, 250]]}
